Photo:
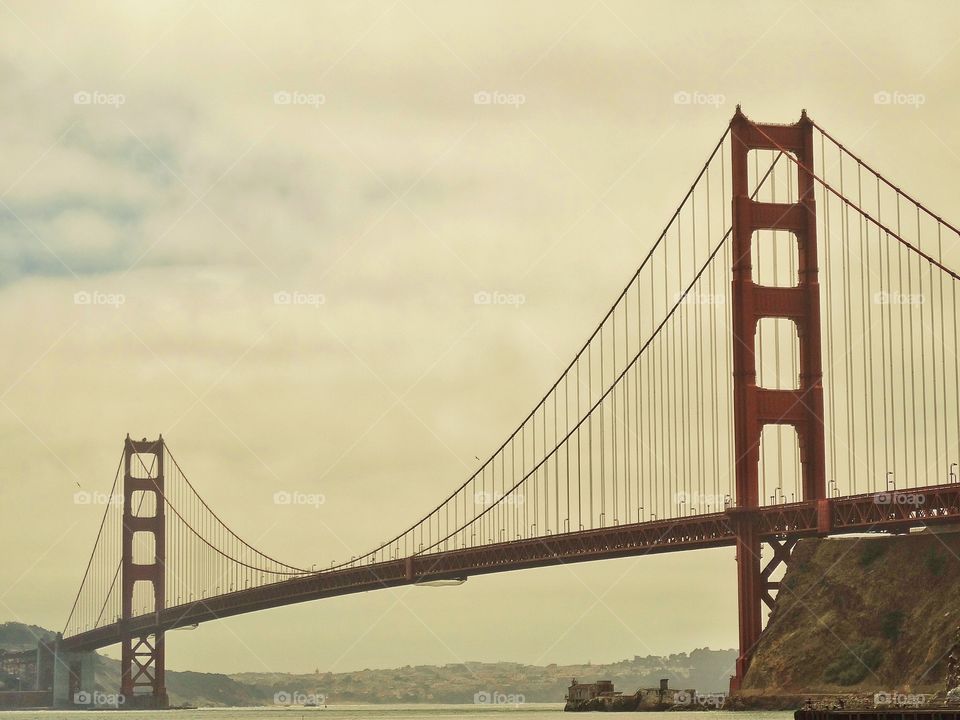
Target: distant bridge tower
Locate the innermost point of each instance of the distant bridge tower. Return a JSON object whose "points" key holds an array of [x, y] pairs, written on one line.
{"points": [[142, 681], [755, 407]]}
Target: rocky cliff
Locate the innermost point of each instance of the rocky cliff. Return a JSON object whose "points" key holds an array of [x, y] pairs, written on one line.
{"points": [[862, 615]]}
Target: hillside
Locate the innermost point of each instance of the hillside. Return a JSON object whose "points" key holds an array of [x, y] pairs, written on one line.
{"points": [[16, 636], [704, 669], [863, 615]]}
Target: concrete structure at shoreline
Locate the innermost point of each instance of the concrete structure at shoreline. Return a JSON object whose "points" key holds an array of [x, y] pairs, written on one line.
{"points": [[601, 695], [47, 677]]}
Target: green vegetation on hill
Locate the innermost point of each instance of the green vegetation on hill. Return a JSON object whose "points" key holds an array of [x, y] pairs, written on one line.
{"points": [[17, 636], [862, 614]]}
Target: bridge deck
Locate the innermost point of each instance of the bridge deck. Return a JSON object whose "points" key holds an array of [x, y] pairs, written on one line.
{"points": [[851, 514]]}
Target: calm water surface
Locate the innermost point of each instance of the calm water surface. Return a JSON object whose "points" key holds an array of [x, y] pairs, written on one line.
{"points": [[529, 711]]}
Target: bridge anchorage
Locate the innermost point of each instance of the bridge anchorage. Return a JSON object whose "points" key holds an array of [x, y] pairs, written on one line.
{"points": [[714, 405]]}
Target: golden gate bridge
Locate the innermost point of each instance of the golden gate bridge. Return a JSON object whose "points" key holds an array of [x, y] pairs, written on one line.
{"points": [[782, 364]]}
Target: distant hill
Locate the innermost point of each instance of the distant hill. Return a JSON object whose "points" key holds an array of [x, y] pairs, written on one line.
{"points": [[17, 636], [704, 669]]}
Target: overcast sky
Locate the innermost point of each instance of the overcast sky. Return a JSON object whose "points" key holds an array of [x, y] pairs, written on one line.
{"points": [[182, 162]]}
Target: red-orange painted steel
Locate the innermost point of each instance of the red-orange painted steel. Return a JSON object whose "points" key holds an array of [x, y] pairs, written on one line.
{"points": [[142, 651], [755, 407], [852, 514], [745, 526]]}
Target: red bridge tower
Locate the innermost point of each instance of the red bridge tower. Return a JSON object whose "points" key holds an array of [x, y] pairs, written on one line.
{"points": [[142, 653], [754, 406]]}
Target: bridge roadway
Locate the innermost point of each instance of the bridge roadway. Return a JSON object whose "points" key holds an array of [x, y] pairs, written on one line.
{"points": [[850, 514]]}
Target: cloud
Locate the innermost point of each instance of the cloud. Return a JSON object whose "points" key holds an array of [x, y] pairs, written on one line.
{"points": [[397, 198]]}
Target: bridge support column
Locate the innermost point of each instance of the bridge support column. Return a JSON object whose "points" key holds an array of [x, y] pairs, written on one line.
{"points": [[74, 684], [142, 680], [781, 556], [749, 586], [755, 407]]}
